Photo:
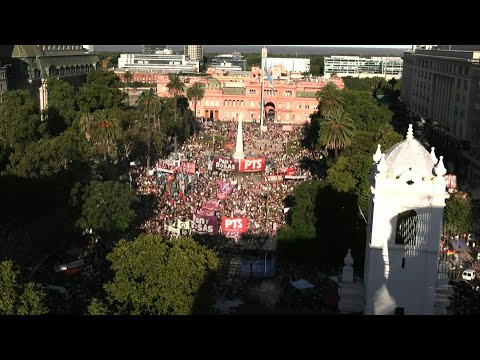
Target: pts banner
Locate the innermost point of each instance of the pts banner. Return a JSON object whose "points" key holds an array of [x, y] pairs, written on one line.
{"points": [[234, 227], [252, 164]]}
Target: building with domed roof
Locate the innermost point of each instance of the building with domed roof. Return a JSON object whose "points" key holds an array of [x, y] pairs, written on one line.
{"points": [[408, 193], [31, 65]]}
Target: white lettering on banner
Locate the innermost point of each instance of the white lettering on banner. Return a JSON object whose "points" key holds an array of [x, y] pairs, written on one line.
{"points": [[253, 164], [225, 164], [200, 225], [236, 223], [232, 234]]}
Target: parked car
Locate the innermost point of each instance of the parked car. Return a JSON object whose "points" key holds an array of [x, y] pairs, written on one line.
{"points": [[469, 274]]}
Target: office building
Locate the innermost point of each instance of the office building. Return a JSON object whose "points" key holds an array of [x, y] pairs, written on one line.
{"points": [[152, 49], [356, 66], [193, 52], [442, 87], [163, 63], [234, 62]]}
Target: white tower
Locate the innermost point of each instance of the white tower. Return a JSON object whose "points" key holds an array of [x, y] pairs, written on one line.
{"points": [[403, 233], [238, 154]]}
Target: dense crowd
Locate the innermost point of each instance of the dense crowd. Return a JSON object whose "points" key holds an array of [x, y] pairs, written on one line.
{"points": [[169, 193]]}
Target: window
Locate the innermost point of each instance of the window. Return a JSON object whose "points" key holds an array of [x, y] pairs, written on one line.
{"points": [[406, 230]]}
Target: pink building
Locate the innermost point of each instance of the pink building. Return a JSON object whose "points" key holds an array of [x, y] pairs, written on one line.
{"points": [[238, 96]]}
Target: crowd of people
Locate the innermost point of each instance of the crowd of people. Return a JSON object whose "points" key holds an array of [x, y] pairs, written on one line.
{"points": [[170, 192]]}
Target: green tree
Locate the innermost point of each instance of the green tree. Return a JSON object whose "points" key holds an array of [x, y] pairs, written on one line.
{"points": [[364, 110], [324, 224], [17, 298], [62, 104], [19, 119], [195, 92], [330, 99], [49, 156], [175, 87], [100, 91], [157, 276], [336, 131], [147, 103], [106, 207], [457, 215], [351, 171], [105, 130]]}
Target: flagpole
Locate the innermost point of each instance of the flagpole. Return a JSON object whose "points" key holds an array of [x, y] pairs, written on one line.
{"points": [[262, 111]]}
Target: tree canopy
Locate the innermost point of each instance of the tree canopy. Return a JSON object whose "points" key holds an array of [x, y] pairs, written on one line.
{"points": [[105, 207], [16, 297], [457, 215], [157, 276], [19, 119], [101, 91]]}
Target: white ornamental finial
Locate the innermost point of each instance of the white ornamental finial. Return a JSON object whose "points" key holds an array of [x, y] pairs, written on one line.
{"points": [[382, 165], [410, 132], [348, 260], [440, 168], [378, 154], [433, 156]]}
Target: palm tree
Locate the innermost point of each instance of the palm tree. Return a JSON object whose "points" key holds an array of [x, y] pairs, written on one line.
{"points": [[127, 78], [105, 131], [336, 131], [147, 103], [175, 87], [330, 99], [85, 123], [157, 111], [195, 92]]}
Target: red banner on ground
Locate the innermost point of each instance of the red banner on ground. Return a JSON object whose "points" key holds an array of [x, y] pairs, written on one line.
{"points": [[234, 227], [252, 164]]}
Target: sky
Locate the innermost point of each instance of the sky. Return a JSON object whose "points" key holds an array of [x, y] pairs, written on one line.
{"points": [[361, 50], [356, 46]]}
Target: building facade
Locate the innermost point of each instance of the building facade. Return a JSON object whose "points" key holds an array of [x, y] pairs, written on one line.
{"points": [[356, 66], [165, 62], [404, 230], [193, 52], [3, 81], [31, 65], [152, 49], [233, 96], [443, 88]]}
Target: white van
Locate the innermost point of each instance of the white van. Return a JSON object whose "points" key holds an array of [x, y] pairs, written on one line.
{"points": [[469, 274]]}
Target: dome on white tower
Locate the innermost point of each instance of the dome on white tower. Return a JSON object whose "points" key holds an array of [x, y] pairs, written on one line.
{"points": [[409, 155]]}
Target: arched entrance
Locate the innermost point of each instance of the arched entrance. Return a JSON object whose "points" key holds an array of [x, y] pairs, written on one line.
{"points": [[270, 111]]}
